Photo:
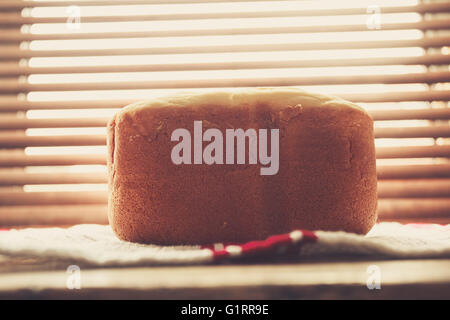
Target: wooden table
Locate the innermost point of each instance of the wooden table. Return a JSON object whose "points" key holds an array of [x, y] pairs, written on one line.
{"points": [[400, 279]]}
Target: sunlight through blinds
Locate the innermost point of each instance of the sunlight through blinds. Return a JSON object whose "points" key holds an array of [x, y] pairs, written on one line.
{"points": [[67, 66]]}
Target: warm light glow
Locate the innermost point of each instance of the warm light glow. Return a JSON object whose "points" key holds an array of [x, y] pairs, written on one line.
{"points": [[171, 24], [111, 10], [231, 57], [65, 131], [67, 169], [223, 74], [65, 150], [65, 187], [148, 94], [269, 39], [207, 24], [71, 113]]}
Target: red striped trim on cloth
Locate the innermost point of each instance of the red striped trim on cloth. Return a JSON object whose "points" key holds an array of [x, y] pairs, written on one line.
{"points": [[282, 243]]}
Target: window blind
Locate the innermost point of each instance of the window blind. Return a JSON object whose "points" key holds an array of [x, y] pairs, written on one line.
{"points": [[67, 66]]}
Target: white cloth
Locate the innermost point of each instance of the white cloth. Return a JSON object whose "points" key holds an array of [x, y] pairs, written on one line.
{"points": [[97, 245]]}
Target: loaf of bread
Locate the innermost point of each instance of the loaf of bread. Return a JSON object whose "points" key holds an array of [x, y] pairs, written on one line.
{"points": [[325, 178]]}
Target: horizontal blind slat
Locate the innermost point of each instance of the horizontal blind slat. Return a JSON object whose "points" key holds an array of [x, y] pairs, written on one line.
{"points": [[14, 104], [23, 178], [422, 188], [11, 122], [9, 37], [53, 215], [9, 86], [413, 152], [435, 131], [11, 52], [429, 59], [52, 198], [413, 171], [413, 208], [431, 95], [411, 114], [15, 140], [31, 3], [20, 159], [420, 8]]}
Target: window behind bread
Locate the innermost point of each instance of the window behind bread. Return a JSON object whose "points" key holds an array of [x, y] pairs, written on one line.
{"points": [[67, 66]]}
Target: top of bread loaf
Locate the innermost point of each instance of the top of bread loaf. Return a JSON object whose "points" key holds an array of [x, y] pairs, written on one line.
{"points": [[275, 98]]}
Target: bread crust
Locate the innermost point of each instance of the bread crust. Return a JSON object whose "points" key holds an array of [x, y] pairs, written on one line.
{"points": [[326, 178]]}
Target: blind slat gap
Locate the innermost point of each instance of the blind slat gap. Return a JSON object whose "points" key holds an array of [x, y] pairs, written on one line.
{"points": [[12, 52]]}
